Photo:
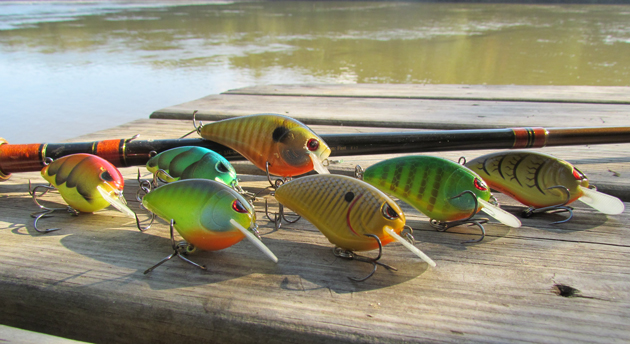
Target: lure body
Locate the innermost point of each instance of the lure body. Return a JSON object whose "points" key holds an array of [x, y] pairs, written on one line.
{"points": [[193, 162], [87, 182], [202, 210], [289, 146], [344, 209], [429, 184], [527, 176]]}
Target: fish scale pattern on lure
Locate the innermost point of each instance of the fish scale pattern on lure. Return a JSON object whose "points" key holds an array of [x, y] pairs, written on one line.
{"points": [[346, 210], [434, 187], [192, 162], [287, 145], [540, 180], [209, 215], [87, 182]]}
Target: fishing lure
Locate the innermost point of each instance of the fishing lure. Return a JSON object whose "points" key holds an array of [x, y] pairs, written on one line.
{"points": [[278, 144], [189, 162], [353, 215], [449, 193], [541, 181], [86, 182], [209, 215]]}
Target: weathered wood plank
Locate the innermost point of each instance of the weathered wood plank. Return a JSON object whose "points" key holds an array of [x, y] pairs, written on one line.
{"points": [[404, 113], [15, 335], [563, 94], [86, 282]]}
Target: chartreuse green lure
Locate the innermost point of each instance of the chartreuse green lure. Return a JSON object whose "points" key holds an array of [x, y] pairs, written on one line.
{"points": [[189, 162], [352, 214], [209, 215], [444, 190], [541, 181]]}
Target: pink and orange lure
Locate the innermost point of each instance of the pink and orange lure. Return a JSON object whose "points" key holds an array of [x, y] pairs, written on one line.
{"points": [[87, 182], [282, 144]]}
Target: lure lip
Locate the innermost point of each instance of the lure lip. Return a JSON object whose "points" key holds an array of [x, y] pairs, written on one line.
{"points": [[409, 246], [117, 202], [259, 244], [604, 203], [318, 165], [499, 214]]}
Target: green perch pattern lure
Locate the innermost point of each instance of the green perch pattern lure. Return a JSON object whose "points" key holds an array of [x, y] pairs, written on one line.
{"points": [[443, 190]]}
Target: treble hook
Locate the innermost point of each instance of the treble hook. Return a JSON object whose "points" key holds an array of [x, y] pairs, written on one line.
{"points": [[358, 172], [347, 254], [562, 207], [197, 127], [46, 211], [250, 195], [178, 250], [279, 216], [278, 181], [443, 226], [145, 186]]}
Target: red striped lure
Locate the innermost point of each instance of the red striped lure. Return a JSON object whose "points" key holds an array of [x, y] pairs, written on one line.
{"points": [[541, 181], [278, 144], [86, 182]]}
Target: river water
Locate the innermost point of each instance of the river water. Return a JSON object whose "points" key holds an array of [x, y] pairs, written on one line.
{"points": [[70, 68]]}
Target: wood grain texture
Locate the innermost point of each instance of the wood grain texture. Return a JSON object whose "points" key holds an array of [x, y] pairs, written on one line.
{"points": [[403, 113], [86, 281], [558, 94]]}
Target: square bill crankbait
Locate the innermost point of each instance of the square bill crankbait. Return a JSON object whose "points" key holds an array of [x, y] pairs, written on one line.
{"points": [[209, 215], [352, 214], [447, 192], [86, 182], [190, 162], [278, 144], [541, 181]]}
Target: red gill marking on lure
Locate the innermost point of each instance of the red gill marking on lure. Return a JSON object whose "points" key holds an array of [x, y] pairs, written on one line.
{"points": [[348, 214]]}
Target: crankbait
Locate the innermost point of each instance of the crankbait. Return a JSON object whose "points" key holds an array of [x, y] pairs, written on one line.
{"points": [[278, 144], [189, 162], [447, 192], [86, 182], [209, 215], [353, 215], [541, 181]]}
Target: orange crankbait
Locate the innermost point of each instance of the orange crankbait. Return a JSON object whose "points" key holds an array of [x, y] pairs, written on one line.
{"points": [[86, 182], [278, 144], [352, 214], [541, 181]]}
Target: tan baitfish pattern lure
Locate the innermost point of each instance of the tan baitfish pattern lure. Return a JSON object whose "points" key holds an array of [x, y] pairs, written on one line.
{"points": [[352, 214]]}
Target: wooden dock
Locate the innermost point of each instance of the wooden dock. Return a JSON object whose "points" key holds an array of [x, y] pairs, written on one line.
{"points": [[566, 283]]}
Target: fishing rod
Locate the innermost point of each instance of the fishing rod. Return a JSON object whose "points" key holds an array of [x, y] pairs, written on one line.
{"points": [[133, 152]]}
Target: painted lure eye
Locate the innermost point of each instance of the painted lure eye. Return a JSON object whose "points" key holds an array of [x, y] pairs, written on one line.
{"points": [[578, 175], [238, 207], [221, 168], [480, 185], [312, 145], [389, 212], [105, 176]]}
